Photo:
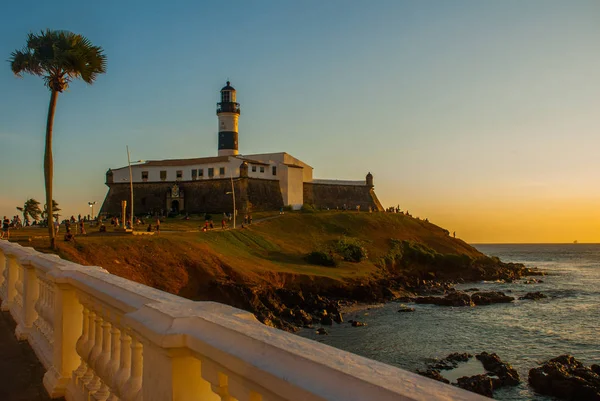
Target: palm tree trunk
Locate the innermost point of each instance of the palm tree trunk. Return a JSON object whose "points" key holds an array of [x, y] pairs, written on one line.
{"points": [[49, 167]]}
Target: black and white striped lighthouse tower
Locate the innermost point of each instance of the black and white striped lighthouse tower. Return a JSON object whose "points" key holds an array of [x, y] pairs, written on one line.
{"points": [[228, 112]]}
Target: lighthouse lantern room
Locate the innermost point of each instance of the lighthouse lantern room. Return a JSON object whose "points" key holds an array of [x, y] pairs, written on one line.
{"points": [[228, 112]]}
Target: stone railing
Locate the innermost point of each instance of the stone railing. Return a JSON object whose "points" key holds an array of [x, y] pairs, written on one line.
{"points": [[102, 337]]}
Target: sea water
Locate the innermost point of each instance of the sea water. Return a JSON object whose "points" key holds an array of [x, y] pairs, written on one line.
{"points": [[523, 333]]}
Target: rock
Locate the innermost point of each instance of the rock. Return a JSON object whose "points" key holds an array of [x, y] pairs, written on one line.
{"points": [[321, 331], [451, 361], [490, 297], [327, 320], [302, 317], [404, 308], [566, 378], [507, 375], [472, 290], [338, 318], [433, 374], [456, 357], [356, 323], [596, 369], [480, 384], [457, 298], [533, 296]]}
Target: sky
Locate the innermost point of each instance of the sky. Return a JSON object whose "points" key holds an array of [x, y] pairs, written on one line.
{"points": [[483, 117]]}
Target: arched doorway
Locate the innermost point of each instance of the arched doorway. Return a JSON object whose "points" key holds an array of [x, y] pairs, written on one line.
{"points": [[175, 206]]}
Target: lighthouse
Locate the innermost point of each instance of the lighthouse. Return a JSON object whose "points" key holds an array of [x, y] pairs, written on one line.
{"points": [[228, 112]]}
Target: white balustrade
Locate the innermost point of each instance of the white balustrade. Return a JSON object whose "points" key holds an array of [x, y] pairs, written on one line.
{"points": [[102, 337]]}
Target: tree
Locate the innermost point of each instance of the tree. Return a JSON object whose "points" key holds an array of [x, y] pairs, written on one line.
{"points": [[58, 57], [54, 209], [31, 208]]}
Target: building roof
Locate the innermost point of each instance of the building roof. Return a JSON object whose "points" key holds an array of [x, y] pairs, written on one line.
{"points": [[186, 162], [293, 165], [251, 161], [227, 87]]}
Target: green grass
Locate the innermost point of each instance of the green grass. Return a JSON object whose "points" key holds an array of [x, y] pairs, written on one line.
{"points": [[266, 251]]}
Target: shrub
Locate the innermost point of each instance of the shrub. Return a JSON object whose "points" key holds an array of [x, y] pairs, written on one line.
{"points": [[321, 258], [308, 208], [351, 250]]}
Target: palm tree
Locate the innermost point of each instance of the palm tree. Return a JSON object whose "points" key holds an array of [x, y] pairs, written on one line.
{"points": [[58, 57], [31, 208]]}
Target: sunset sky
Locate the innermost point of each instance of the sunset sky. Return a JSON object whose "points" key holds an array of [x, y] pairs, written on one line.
{"points": [[482, 116]]}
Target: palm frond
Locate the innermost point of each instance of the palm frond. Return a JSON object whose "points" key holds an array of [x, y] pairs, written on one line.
{"points": [[59, 56]]}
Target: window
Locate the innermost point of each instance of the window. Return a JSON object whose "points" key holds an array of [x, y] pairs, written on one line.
{"points": [[254, 169], [211, 172], [262, 169], [225, 97], [163, 175], [221, 170], [144, 176], [179, 174], [194, 174], [200, 172], [274, 170]]}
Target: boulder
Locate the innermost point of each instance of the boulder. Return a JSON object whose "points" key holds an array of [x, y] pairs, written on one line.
{"points": [[481, 384], [404, 308], [596, 369], [356, 323], [457, 298], [327, 320], [322, 331], [507, 375], [302, 318], [565, 377], [533, 296], [433, 374], [337, 317], [451, 361], [490, 297]]}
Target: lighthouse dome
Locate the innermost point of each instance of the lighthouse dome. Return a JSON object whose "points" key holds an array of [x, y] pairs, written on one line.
{"points": [[227, 87]]}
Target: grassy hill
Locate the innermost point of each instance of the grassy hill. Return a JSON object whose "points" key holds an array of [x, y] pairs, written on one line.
{"points": [[240, 266]]}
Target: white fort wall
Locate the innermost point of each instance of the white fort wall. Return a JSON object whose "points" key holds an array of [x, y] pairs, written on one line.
{"points": [[102, 337]]}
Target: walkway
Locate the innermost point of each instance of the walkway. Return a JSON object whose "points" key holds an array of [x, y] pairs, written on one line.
{"points": [[20, 371]]}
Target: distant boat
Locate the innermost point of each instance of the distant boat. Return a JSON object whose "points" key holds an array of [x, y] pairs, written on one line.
{"points": [[575, 241]]}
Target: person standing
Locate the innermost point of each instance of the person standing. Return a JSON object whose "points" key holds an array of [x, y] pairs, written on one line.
{"points": [[5, 228], [158, 225], [82, 227]]}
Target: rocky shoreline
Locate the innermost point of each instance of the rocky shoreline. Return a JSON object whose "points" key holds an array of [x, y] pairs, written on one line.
{"points": [[317, 303], [563, 377]]}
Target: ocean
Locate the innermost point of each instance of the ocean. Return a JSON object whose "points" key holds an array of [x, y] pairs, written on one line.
{"points": [[523, 333]]}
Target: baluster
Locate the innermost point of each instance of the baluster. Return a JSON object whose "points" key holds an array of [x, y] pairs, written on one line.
{"points": [[115, 360], [89, 346], [101, 366], [241, 391], [94, 384], [30, 296], [11, 274], [2, 275], [218, 380], [131, 389], [124, 371], [80, 346]]}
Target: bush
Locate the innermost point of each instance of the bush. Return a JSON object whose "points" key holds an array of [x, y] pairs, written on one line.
{"points": [[321, 258], [308, 208], [351, 250]]}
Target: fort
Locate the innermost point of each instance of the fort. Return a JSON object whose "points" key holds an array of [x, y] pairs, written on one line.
{"points": [[209, 184]]}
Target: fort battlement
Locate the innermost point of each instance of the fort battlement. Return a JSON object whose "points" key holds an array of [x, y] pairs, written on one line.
{"points": [[103, 337]]}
